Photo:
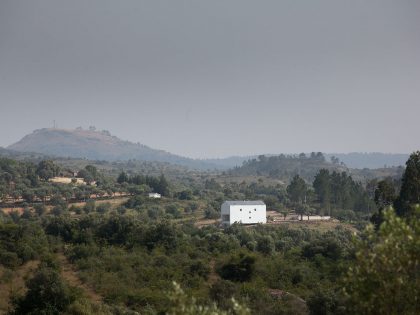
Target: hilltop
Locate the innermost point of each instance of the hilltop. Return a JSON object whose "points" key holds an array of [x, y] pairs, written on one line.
{"points": [[284, 167], [97, 145]]}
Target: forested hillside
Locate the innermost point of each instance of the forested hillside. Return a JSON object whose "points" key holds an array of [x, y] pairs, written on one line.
{"points": [[285, 167], [81, 249]]}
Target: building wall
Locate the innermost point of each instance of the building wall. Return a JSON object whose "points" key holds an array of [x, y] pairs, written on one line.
{"points": [[245, 214]]}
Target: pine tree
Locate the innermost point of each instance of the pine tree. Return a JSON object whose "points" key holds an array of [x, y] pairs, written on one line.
{"points": [[410, 188]]}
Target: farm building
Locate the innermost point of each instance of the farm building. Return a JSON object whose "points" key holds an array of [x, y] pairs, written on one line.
{"points": [[243, 211], [154, 195]]}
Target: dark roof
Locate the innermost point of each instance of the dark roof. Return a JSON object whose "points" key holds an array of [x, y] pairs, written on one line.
{"points": [[244, 202]]}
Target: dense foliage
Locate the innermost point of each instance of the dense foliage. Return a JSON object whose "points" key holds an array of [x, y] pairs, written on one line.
{"points": [[130, 253]]}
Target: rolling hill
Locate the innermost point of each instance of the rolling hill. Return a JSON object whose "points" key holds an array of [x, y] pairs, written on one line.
{"points": [[101, 145], [97, 145], [284, 167]]}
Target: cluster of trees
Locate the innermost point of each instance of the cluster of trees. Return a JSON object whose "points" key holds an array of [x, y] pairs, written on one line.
{"points": [[340, 191], [157, 184], [406, 200], [130, 262], [286, 166], [22, 181], [131, 257], [329, 191]]}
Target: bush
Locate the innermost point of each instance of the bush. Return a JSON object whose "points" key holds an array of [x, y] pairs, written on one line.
{"points": [[221, 292], [40, 209], [210, 213], [10, 259], [103, 207], [47, 294], [58, 210], [90, 206], [265, 245], [239, 268], [173, 210]]}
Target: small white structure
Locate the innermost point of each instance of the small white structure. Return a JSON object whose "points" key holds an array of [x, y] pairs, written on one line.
{"points": [[154, 195], [315, 218], [243, 211]]}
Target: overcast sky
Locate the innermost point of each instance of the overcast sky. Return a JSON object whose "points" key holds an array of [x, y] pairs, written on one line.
{"points": [[216, 78]]}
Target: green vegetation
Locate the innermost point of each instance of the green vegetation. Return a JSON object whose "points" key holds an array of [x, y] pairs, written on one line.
{"points": [[155, 256], [385, 277]]}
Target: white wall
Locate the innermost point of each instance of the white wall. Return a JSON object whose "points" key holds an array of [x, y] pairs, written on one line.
{"points": [[245, 214]]}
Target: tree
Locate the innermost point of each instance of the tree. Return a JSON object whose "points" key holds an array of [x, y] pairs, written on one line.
{"points": [[302, 209], [385, 277], [265, 245], [47, 169], [322, 187], [86, 175], [239, 268], [93, 171], [40, 209], [410, 188], [297, 189], [384, 196], [181, 304], [47, 294], [122, 178], [163, 186], [28, 195], [90, 206], [384, 193]]}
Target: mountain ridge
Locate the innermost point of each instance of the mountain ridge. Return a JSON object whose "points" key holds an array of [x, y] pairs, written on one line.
{"points": [[97, 145], [101, 145]]}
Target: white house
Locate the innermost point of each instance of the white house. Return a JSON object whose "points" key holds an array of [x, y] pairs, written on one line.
{"points": [[244, 212], [154, 195]]}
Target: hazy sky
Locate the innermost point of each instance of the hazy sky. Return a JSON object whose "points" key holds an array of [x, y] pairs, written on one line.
{"points": [[217, 77]]}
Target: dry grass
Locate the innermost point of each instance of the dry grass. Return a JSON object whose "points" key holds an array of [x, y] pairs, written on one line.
{"points": [[8, 210], [69, 274], [323, 226], [66, 180], [115, 202], [204, 222], [12, 283]]}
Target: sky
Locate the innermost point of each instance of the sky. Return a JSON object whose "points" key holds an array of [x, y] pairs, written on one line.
{"points": [[216, 78]]}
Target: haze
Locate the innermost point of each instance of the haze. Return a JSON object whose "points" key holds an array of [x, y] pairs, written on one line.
{"points": [[215, 78]]}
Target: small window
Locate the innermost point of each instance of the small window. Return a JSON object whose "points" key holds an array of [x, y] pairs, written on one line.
{"points": [[240, 209], [255, 209], [250, 217], [249, 211]]}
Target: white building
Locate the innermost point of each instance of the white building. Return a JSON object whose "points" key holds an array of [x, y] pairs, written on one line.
{"points": [[244, 212], [154, 195]]}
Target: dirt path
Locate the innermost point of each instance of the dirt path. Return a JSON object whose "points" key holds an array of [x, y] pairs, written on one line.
{"points": [[213, 276], [69, 273]]}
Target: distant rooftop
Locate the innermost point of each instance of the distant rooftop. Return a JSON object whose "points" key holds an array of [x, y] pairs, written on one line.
{"points": [[244, 202]]}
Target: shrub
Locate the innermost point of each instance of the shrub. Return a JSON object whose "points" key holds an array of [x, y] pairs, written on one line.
{"points": [[90, 206], [240, 268], [103, 207]]}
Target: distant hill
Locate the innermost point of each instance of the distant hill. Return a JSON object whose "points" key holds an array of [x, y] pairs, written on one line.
{"points": [[284, 167], [370, 160], [15, 155], [97, 145], [101, 145], [359, 160]]}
